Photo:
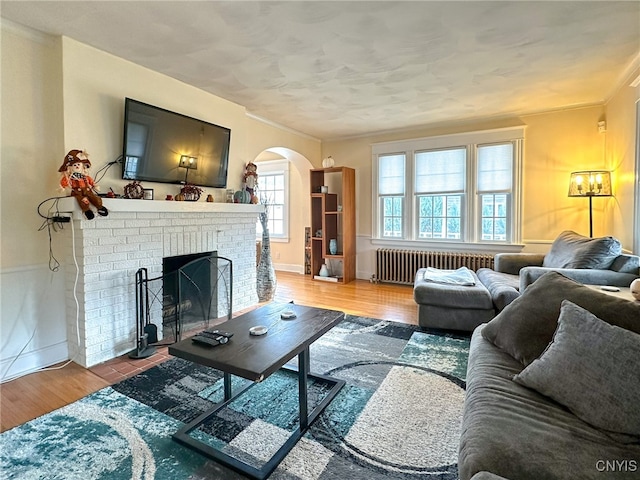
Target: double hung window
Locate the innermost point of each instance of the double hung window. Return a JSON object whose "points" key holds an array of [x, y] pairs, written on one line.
{"points": [[455, 188], [273, 190]]}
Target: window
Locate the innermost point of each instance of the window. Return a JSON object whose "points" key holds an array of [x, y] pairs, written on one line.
{"points": [[439, 188], [273, 190], [391, 190], [454, 188]]}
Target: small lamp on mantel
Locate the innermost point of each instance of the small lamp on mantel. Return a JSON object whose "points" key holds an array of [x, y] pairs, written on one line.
{"points": [[590, 183]]}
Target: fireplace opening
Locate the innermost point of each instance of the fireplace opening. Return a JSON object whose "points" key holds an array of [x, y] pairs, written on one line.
{"points": [[187, 292]]}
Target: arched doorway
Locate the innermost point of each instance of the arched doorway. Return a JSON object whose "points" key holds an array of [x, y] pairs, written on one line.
{"points": [[288, 251]]}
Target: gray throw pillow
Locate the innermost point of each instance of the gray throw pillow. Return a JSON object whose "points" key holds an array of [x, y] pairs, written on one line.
{"points": [[591, 368], [526, 326], [571, 250]]}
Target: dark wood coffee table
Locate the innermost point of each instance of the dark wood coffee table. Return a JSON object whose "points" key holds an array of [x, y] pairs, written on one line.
{"points": [[257, 357]]}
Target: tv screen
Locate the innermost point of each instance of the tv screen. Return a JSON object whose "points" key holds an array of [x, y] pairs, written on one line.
{"points": [[167, 147]]}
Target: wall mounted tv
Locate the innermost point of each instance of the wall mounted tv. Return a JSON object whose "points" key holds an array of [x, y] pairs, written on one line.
{"points": [[159, 145]]}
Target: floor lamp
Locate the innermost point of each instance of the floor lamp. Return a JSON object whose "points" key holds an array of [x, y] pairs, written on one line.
{"points": [[590, 183]]}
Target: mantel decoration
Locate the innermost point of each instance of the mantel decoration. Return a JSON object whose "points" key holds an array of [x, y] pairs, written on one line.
{"points": [[77, 182], [133, 190], [190, 192], [250, 181], [265, 273]]}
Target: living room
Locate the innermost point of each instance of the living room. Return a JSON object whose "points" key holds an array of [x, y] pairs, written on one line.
{"points": [[59, 93]]}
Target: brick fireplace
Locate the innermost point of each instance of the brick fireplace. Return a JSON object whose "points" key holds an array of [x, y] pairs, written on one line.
{"points": [[140, 233]]}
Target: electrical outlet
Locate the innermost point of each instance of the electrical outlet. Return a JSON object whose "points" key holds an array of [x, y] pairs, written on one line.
{"points": [[277, 255]]}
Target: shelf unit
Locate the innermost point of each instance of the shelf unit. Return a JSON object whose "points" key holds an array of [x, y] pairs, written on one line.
{"points": [[334, 214]]}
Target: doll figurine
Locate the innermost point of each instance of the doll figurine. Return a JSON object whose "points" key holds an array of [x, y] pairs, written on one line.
{"points": [[250, 180], [75, 177]]}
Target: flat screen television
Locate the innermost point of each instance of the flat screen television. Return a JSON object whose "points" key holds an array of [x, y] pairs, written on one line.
{"points": [[159, 145]]}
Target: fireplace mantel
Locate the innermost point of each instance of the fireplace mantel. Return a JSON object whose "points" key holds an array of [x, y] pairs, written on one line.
{"points": [[69, 205]]}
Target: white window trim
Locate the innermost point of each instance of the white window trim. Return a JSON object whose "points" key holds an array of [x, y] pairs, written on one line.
{"points": [[470, 140], [276, 167]]}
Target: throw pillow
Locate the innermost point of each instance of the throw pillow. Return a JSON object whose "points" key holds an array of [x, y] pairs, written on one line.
{"points": [[591, 368], [571, 250], [526, 326]]}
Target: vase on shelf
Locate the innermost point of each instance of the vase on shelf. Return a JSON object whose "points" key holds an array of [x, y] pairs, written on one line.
{"points": [[333, 246], [265, 273], [324, 271]]}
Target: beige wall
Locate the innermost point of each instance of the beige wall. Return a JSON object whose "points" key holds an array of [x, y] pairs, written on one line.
{"points": [[556, 144], [32, 317], [31, 140], [621, 158]]}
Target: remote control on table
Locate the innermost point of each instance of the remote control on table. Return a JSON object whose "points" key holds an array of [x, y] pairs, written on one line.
{"points": [[212, 338], [217, 333]]}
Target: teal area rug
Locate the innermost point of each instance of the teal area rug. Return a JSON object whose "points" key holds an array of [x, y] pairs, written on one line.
{"points": [[398, 416]]}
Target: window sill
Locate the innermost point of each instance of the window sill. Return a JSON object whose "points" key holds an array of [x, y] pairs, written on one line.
{"points": [[449, 246], [274, 239]]}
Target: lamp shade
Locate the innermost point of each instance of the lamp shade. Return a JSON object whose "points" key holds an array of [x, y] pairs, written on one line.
{"points": [[590, 183]]}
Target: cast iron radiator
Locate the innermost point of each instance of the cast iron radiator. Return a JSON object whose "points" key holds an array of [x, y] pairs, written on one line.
{"points": [[400, 266]]}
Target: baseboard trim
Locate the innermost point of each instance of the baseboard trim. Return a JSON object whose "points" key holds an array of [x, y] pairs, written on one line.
{"points": [[32, 361]]}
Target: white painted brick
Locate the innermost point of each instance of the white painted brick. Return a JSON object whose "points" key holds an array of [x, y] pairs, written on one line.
{"points": [[111, 240], [128, 247], [101, 267], [113, 257], [97, 249], [126, 232], [137, 223]]}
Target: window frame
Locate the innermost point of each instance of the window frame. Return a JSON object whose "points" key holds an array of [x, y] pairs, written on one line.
{"points": [[471, 222], [271, 168]]}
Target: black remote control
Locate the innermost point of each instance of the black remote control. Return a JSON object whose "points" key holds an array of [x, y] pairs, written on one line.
{"points": [[209, 340], [217, 333]]}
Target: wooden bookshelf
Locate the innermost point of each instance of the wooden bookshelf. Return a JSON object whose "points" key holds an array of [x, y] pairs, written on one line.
{"points": [[334, 214]]}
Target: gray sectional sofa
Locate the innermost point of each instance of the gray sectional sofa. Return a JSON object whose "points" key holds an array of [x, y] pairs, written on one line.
{"points": [[553, 386]]}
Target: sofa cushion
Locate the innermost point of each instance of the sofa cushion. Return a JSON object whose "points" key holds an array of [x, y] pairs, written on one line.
{"points": [[590, 367], [526, 326], [503, 287], [571, 250]]}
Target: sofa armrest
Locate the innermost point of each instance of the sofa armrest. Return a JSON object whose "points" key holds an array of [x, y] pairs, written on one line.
{"points": [[513, 262], [586, 276]]}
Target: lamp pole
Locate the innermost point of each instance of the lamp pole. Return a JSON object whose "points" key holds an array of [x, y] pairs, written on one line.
{"points": [[590, 217]]}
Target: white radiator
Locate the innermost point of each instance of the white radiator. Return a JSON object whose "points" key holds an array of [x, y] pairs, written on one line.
{"points": [[400, 266]]}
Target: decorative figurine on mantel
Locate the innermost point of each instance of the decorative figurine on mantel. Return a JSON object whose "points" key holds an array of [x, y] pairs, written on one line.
{"points": [[250, 180], [76, 180]]}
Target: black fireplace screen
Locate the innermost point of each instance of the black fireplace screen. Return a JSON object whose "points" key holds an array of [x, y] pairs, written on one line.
{"points": [[188, 298]]}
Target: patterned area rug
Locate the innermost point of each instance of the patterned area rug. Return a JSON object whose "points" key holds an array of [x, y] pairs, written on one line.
{"points": [[398, 417]]}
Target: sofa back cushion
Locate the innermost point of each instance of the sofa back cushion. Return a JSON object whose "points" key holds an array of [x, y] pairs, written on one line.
{"points": [[571, 250], [526, 326]]}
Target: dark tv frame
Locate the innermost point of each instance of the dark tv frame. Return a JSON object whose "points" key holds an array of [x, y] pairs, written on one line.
{"points": [[174, 175]]}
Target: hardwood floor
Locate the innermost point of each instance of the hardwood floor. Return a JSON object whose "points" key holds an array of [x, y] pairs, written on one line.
{"points": [[36, 394]]}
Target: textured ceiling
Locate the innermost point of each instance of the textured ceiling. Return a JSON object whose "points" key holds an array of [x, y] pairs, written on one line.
{"points": [[332, 69]]}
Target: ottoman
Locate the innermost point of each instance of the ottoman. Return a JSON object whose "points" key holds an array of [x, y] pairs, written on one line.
{"points": [[451, 307]]}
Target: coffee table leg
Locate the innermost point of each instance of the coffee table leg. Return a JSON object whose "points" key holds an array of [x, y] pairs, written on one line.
{"points": [[227, 386], [303, 370]]}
